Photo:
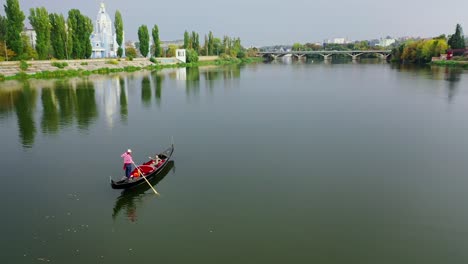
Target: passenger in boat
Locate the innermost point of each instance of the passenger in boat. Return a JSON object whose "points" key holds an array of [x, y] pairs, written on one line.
{"points": [[157, 159], [127, 159]]}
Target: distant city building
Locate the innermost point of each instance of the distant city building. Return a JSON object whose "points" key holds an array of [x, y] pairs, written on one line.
{"points": [[103, 39], [178, 43], [337, 41], [385, 42]]}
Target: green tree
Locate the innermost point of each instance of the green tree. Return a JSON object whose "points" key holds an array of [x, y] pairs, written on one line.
{"points": [[171, 51], [205, 46], [5, 53], [80, 28], [195, 40], [131, 52], [217, 46], [3, 28], [119, 32], [297, 47], [361, 45], [211, 48], [14, 26], [143, 37], [156, 41], [28, 51], [192, 55], [186, 40], [39, 19], [457, 40], [58, 36]]}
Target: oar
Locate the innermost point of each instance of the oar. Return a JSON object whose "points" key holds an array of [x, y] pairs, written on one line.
{"points": [[142, 175]]}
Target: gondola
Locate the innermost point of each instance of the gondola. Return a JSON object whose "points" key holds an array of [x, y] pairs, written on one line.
{"points": [[149, 170]]}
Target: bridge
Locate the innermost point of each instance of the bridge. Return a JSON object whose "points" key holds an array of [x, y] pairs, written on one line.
{"points": [[326, 54]]}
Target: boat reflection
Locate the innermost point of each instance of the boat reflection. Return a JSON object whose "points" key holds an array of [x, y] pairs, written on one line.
{"points": [[131, 198]]}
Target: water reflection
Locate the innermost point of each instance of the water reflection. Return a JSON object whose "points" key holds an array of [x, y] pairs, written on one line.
{"points": [[146, 91], [86, 108], [81, 102], [24, 107], [452, 76], [158, 79], [50, 118], [129, 200], [123, 99]]}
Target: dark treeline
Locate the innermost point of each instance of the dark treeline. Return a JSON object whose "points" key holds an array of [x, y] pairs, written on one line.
{"points": [[56, 37]]}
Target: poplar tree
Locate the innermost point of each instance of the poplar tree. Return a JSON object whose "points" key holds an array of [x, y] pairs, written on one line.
{"points": [[39, 19], [58, 36], [195, 41], [80, 28], [119, 32], [14, 26], [143, 37], [186, 40], [157, 42], [3, 28], [210, 43]]}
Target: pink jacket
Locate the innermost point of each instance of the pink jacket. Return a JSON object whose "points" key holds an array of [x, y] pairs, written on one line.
{"points": [[127, 158]]}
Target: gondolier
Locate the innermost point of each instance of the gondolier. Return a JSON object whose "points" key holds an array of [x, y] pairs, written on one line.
{"points": [[127, 159]]}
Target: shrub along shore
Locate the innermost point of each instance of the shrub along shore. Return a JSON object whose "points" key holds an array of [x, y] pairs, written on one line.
{"points": [[58, 69]]}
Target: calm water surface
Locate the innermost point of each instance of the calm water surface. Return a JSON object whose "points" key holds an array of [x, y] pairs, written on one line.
{"points": [[273, 163]]}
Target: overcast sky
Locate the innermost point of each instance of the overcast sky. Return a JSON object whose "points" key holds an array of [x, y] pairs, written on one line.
{"points": [[265, 22]]}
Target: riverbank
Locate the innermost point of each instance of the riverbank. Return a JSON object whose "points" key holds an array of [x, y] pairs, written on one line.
{"points": [[72, 68], [451, 63]]}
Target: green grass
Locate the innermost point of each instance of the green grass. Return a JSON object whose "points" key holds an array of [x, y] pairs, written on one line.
{"points": [[59, 65], [113, 62], [23, 65], [451, 63], [60, 73]]}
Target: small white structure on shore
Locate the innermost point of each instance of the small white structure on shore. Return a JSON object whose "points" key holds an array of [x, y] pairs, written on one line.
{"points": [[180, 55]]}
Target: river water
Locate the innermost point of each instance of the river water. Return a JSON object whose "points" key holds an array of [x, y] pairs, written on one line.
{"points": [[273, 163]]}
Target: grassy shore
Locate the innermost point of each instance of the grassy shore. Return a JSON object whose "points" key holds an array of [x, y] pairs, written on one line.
{"points": [[451, 63], [61, 73]]}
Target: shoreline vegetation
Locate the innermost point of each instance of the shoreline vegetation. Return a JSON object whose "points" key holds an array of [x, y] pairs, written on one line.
{"points": [[451, 63], [85, 69]]}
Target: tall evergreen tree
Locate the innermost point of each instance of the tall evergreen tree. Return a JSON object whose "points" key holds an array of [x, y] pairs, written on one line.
{"points": [[39, 19], [58, 36], [119, 32], [143, 37], [15, 23], [157, 42], [186, 40], [457, 40]]}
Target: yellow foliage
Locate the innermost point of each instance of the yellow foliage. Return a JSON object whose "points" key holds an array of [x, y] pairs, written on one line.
{"points": [[6, 53]]}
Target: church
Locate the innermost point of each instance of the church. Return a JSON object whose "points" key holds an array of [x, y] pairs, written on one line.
{"points": [[103, 38]]}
